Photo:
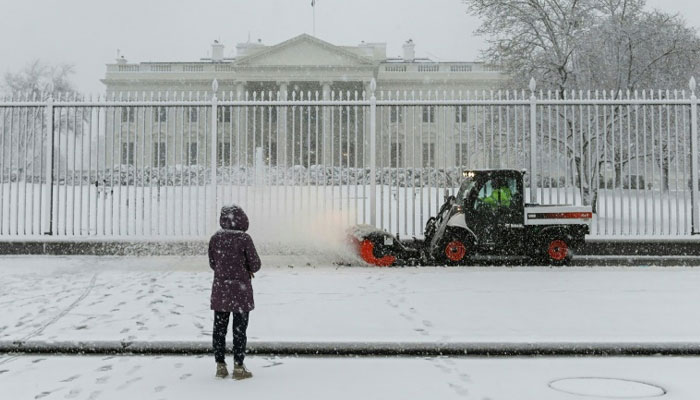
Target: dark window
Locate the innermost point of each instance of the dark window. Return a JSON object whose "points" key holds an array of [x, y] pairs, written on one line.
{"points": [[461, 114], [396, 114], [223, 114], [348, 154], [159, 154], [428, 113], [462, 155], [161, 114], [270, 153], [428, 154], [127, 154], [128, 114], [396, 154], [193, 154], [193, 114], [224, 154]]}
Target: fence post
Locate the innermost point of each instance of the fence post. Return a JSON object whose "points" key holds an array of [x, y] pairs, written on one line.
{"points": [[695, 222], [48, 194], [213, 192], [373, 153], [533, 142]]}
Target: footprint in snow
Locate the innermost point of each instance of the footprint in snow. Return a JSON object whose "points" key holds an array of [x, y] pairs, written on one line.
{"points": [[71, 378], [134, 369], [185, 376], [104, 368], [198, 325], [94, 395], [427, 323], [158, 389], [460, 390], [178, 365], [75, 392], [42, 395], [129, 382]]}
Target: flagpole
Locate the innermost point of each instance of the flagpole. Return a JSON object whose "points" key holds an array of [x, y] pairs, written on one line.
{"points": [[313, 5]]}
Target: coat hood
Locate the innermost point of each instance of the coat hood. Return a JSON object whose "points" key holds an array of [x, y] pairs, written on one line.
{"points": [[233, 218]]}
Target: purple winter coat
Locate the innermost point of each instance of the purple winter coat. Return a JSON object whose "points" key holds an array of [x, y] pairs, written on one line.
{"points": [[233, 257]]}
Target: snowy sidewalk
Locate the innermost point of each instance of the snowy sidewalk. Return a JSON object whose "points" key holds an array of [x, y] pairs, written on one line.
{"points": [[166, 299]]}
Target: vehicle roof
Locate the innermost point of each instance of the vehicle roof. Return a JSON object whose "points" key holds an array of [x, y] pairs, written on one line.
{"points": [[484, 170]]}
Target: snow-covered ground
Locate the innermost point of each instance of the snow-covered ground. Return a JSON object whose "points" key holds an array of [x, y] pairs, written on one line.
{"points": [[188, 377], [310, 300]]}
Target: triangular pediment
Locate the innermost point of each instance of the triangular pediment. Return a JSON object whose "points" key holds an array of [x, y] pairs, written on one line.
{"points": [[304, 50]]}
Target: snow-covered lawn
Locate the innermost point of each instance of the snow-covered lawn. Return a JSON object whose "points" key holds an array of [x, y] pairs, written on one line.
{"points": [[311, 300], [183, 377]]}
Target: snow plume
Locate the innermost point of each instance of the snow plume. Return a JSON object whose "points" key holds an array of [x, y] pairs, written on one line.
{"points": [[320, 234]]}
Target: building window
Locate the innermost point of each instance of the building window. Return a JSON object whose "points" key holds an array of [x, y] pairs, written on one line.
{"points": [[159, 154], [461, 114], [396, 154], [348, 151], [128, 153], [428, 113], [396, 114], [270, 153], [223, 114], [193, 114], [192, 159], [428, 154], [224, 154], [161, 114], [461, 154], [128, 114]]}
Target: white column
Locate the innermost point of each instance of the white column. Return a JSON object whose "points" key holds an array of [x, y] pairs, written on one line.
{"points": [[695, 215], [282, 135], [327, 128], [533, 142]]}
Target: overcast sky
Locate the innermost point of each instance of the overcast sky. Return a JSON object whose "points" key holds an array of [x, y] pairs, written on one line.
{"points": [[87, 33]]}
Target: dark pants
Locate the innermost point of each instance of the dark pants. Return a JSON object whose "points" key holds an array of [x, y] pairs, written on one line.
{"points": [[238, 326]]}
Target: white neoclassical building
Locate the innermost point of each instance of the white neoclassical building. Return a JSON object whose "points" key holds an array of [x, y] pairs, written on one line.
{"points": [[296, 68]]}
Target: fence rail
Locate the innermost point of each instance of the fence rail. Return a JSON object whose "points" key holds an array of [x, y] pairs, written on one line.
{"points": [[154, 165]]}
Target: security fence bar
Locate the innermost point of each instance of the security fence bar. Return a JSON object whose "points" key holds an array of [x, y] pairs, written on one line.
{"points": [[161, 164]]}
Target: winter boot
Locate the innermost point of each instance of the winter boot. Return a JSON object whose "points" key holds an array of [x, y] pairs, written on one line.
{"points": [[241, 372], [221, 370]]}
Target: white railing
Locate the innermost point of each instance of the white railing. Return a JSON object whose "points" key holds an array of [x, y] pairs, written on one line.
{"points": [[161, 165]]}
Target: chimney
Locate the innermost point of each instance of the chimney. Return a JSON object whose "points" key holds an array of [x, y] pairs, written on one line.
{"points": [[120, 57], [409, 51], [217, 51]]}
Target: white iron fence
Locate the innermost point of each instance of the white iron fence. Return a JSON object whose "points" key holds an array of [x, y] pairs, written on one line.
{"points": [[144, 166]]}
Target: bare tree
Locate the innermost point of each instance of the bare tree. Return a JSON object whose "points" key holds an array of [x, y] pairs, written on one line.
{"points": [[613, 45], [23, 128]]}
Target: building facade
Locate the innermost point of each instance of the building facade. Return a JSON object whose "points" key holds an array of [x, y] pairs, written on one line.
{"points": [[300, 68]]}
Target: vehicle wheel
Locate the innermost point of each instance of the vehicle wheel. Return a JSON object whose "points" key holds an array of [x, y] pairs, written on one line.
{"points": [[367, 252], [557, 250], [454, 251]]}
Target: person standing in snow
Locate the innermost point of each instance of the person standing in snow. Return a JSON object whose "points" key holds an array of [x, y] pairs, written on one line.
{"points": [[233, 258]]}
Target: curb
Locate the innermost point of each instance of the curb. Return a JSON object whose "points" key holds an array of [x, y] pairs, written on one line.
{"points": [[496, 349]]}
